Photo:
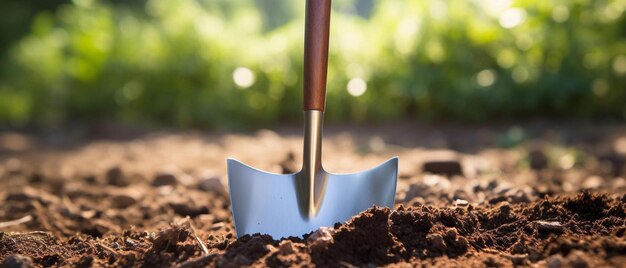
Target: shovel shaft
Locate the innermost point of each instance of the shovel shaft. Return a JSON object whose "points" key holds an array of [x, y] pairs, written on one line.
{"points": [[317, 24], [311, 180]]}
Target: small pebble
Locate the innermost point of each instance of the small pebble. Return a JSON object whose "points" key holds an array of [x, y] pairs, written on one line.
{"points": [[549, 226], [461, 202], [321, 238]]}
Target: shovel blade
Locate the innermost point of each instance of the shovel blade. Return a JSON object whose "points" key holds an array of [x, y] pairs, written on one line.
{"points": [[267, 203]]}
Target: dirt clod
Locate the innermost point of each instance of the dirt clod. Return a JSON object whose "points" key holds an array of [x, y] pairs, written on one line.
{"points": [[437, 242], [538, 159], [115, 176], [164, 178], [212, 184], [286, 247], [125, 198], [443, 167]]}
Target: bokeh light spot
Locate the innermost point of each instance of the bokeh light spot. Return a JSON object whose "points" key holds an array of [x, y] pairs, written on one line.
{"points": [[567, 161], [512, 17], [619, 65], [524, 42], [438, 9], [486, 78], [495, 7], [506, 58], [560, 13], [356, 87], [243, 77]]}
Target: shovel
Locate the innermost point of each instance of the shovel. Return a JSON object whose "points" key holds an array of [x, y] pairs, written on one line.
{"points": [[284, 205]]}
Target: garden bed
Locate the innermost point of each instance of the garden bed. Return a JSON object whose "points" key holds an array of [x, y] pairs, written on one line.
{"points": [[157, 200]]}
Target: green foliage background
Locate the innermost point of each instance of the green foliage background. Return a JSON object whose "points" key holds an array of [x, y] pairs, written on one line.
{"points": [[172, 62]]}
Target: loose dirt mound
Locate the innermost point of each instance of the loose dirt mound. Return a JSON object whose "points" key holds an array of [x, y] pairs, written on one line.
{"points": [[587, 229]]}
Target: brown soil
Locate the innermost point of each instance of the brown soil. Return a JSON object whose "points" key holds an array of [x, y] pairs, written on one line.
{"points": [[146, 201]]}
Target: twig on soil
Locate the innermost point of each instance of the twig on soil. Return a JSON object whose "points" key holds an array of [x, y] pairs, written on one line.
{"points": [[44, 219], [21, 220], [34, 233], [205, 250], [108, 249]]}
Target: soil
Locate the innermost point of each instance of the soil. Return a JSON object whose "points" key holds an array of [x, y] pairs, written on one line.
{"points": [[467, 196]]}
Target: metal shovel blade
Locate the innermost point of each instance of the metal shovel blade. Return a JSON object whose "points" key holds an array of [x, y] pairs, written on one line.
{"points": [[267, 203]]}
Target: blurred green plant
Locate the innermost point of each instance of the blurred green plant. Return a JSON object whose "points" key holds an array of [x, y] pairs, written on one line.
{"points": [[233, 63]]}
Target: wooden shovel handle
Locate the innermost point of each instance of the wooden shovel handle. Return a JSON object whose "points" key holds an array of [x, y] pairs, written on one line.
{"points": [[317, 24]]}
